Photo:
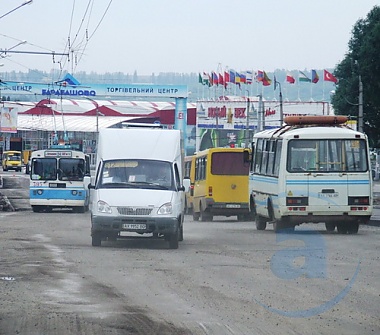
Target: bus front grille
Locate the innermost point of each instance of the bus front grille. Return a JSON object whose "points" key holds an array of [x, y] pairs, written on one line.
{"points": [[134, 211]]}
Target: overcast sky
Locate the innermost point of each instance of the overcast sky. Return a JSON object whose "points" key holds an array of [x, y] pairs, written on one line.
{"points": [[153, 36]]}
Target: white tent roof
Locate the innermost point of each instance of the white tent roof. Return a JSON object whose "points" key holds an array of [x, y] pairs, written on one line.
{"points": [[68, 106], [68, 123]]}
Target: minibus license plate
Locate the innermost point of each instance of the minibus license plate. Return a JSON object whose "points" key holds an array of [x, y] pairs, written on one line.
{"points": [[233, 206], [134, 226]]}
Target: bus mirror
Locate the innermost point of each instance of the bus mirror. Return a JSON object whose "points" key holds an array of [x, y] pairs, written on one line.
{"points": [[182, 188]]}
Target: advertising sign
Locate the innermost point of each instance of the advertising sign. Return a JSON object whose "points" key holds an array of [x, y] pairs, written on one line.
{"points": [[8, 123]]}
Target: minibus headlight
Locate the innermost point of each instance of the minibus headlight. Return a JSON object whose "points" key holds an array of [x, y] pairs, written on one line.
{"points": [[165, 209], [103, 207]]}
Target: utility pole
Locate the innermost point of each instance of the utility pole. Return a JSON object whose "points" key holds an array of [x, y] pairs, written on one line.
{"points": [[360, 115], [260, 121], [247, 123]]}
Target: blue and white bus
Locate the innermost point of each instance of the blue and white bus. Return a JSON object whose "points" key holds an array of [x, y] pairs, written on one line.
{"points": [[313, 169], [59, 178]]}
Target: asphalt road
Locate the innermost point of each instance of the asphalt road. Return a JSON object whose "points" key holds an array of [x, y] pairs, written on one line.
{"points": [[225, 278]]}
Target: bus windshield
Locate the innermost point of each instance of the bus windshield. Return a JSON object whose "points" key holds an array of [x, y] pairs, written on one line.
{"points": [[71, 169], [44, 168], [327, 155], [229, 163]]}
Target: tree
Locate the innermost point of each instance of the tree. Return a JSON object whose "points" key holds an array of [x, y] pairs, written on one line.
{"points": [[362, 59]]}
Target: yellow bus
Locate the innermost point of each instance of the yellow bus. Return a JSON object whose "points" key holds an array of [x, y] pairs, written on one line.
{"points": [[221, 183], [12, 160]]}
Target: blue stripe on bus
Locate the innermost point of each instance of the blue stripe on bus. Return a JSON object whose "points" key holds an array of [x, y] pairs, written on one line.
{"points": [[270, 180], [58, 194], [328, 181]]}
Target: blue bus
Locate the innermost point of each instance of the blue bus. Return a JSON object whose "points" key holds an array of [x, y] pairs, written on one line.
{"points": [[59, 177]]}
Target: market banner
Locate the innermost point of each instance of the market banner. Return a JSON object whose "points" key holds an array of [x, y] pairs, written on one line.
{"points": [[8, 121]]}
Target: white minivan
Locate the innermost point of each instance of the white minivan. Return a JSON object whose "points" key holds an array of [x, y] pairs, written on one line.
{"points": [[138, 185]]}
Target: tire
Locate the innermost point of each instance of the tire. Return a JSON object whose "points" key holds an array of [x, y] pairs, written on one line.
{"points": [[196, 216], [96, 240], [180, 238], [36, 209], [330, 226], [173, 240], [205, 216], [342, 228], [353, 228], [261, 223]]}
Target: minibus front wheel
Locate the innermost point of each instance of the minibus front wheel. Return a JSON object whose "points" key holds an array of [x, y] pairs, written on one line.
{"points": [[173, 240], [261, 222]]}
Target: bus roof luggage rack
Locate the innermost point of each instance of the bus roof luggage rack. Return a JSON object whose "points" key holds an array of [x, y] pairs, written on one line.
{"points": [[324, 120]]}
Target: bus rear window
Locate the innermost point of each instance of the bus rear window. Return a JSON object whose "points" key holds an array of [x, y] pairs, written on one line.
{"points": [[229, 163], [327, 155]]}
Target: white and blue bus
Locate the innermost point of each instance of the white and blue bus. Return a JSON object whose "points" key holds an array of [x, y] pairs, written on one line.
{"points": [[314, 169], [59, 178]]}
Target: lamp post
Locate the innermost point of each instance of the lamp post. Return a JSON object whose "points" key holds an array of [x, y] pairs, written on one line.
{"points": [[247, 123], [260, 116], [281, 104]]}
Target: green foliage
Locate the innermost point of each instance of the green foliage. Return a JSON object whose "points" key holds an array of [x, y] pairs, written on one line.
{"points": [[361, 60]]}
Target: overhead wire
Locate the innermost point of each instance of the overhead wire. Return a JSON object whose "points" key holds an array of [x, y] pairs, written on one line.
{"points": [[88, 38], [75, 52]]}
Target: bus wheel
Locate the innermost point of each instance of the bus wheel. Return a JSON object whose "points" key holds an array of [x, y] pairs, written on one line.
{"points": [[195, 216], [261, 223], [342, 228], [36, 209], [330, 226], [96, 239], [205, 216], [353, 228]]}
